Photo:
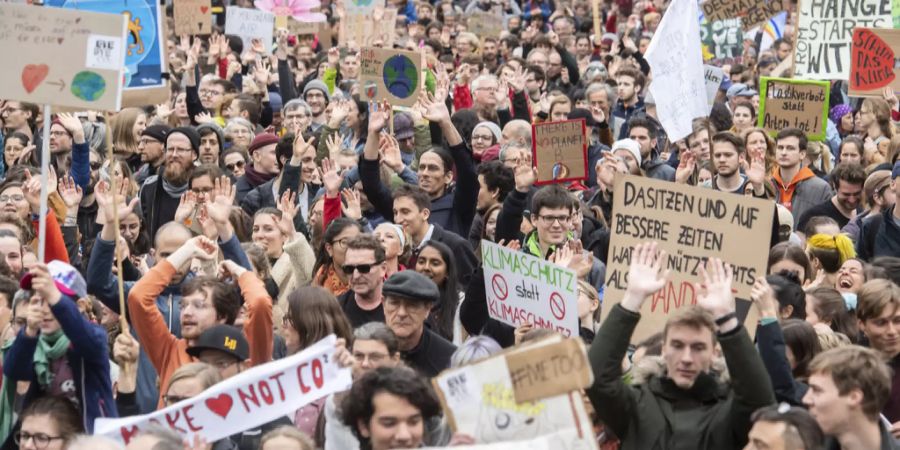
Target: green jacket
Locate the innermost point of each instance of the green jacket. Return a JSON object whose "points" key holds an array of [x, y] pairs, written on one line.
{"points": [[659, 415]]}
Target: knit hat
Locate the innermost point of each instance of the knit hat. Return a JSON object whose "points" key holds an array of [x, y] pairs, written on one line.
{"points": [[838, 112], [411, 285], [262, 140], [631, 145], [403, 126], [224, 338], [158, 132], [317, 84], [66, 278], [188, 132], [495, 130]]}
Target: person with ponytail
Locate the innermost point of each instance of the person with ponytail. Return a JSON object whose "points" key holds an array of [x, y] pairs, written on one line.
{"points": [[826, 255]]}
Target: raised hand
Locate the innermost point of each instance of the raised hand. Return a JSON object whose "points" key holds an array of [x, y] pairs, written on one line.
{"points": [[125, 349], [32, 191], [70, 192], [43, 284], [261, 73], [435, 111], [378, 116], [517, 80], [757, 171], [230, 269], [186, 206], [218, 208], [288, 207], [340, 112], [645, 275], [105, 199], [686, 164], [353, 209], [204, 117], [390, 153], [331, 177], [202, 248], [597, 114], [73, 125], [525, 176], [764, 298], [717, 297], [333, 142]]}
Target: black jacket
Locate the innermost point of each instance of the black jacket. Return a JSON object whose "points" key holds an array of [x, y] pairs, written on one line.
{"points": [[157, 205], [878, 236], [431, 355], [262, 196], [466, 262]]}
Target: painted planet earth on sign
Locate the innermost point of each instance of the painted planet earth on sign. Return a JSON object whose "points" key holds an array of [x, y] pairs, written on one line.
{"points": [[400, 76], [88, 86]]}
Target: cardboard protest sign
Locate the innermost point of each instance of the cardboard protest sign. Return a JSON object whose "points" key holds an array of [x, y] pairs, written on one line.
{"points": [[521, 288], [723, 41], [250, 24], [362, 6], [547, 370], [247, 400], [559, 151], [751, 12], [713, 76], [193, 17], [145, 47], [480, 399], [297, 27], [785, 102], [484, 23], [824, 32], [62, 57], [676, 62], [555, 441], [392, 75], [375, 29], [691, 224], [874, 62]]}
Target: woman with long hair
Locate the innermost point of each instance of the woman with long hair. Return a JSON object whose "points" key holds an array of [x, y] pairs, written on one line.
{"points": [[349, 118], [875, 121], [127, 126], [436, 261], [330, 256], [825, 305], [756, 140]]}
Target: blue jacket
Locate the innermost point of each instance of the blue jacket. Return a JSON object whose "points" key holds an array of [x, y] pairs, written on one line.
{"points": [[88, 356], [102, 284]]}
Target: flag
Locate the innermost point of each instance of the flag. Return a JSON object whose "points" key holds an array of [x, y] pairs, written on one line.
{"points": [[676, 64], [772, 30]]}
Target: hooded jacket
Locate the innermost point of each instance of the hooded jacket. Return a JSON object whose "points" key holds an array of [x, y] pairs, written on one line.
{"points": [[879, 236], [803, 192], [220, 134], [657, 414]]}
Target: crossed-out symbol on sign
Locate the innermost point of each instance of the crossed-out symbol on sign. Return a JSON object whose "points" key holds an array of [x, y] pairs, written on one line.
{"points": [[557, 306], [498, 284]]}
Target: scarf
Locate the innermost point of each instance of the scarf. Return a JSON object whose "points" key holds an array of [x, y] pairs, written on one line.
{"points": [[257, 178], [328, 279], [49, 347], [172, 190]]}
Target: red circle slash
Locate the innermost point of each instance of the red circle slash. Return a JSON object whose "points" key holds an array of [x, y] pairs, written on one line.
{"points": [[499, 285], [557, 306]]}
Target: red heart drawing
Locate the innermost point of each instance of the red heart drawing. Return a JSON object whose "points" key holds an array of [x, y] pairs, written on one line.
{"points": [[871, 62], [33, 75], [220, 405], [204, 9]]}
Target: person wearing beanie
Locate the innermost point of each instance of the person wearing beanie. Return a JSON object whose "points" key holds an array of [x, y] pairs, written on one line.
{"points": [[317, 95], [880, 233], [161, 193], [212, 143], [408, 299], [263, 165], [151, 147]]}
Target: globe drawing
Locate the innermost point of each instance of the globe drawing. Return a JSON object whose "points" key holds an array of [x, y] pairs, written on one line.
{"points": [[88, 86], [400, 76]]}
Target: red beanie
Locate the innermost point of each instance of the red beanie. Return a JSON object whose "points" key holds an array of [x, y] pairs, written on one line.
{"points": [[262, 140]]}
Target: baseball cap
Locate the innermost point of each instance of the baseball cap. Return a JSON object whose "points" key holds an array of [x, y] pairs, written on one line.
{"points": [[739, 90], [224, 338], [68, 280], [631, 145]]}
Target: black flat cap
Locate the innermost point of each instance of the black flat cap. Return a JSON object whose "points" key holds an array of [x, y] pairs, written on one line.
{"points": [[411, 285]]}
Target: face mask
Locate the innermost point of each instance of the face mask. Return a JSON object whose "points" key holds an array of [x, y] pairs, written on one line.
{"points": [[850, 300]]}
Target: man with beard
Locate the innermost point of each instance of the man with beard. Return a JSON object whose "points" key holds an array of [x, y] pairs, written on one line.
{"points": [[161, 193], [212, 143], [847, 180], [629, 86], [151, 147], [644, 131], [317, 97], [727, 152], [364, 266], [264, 165], [67, 140]]}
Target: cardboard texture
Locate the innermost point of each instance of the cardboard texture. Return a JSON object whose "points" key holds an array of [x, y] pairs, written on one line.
{"points": [[193, 17], [559, 151], [250, 24], [549, 370], [368, 30], [751, 12], [297, 27], [392, 75], [691, 224], [521, 288], [484, 24], [479, 399], [722, 40], [874, 62], [62, 57], [786, 102], [824, 32], [362, 6]]}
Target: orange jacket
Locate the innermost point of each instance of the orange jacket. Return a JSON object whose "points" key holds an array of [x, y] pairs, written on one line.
{"points": [[167, 352], [786, 191]]}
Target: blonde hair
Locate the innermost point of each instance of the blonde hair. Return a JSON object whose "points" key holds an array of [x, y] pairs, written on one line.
{"points": [[591, 292], [816, 151], [206, 374], [831, 251], [289, 432], [123, 140], [874, 297]]}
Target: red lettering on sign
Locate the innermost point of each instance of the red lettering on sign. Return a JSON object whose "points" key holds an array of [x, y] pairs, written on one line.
{"points": [[277, 379], [128, 433], [251, 396], [189, 419], [318, 376]]}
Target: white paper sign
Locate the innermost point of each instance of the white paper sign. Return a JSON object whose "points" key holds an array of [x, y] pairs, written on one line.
{"points": [[250, 24], [521, 288], [713, 76], [104, 52], [250, 399], [824, 32], [676, 63]]}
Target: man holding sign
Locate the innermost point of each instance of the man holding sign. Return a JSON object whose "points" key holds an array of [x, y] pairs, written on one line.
{"points": [[710, 415]]}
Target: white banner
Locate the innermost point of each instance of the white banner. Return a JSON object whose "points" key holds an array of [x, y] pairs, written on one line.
{"points": [[676, 64], [713, 76], [250, 23], [521, 288], [245, 401]]}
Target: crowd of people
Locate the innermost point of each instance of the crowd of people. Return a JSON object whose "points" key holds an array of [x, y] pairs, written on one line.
{"points": [[266, 205]]}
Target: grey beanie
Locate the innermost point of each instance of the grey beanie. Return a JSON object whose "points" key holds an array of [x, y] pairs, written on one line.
{"points": [[412, 285], [317, 84], [215, 128], [495, 130]]}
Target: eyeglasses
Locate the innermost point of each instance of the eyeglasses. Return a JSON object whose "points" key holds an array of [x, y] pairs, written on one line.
{"points": [[170, 400], [373, 358], [476, 137], [238, 165], [341, 243], [15, 198], [174, 150], [222, 364], [41, 440], [210, 92], [58, 133], [562, 220], [362, 268], [148, 141], [297, 117]]}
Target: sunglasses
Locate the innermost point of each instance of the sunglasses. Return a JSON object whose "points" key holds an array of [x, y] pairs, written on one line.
{"points": [[239, 165], [362, 268]]}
